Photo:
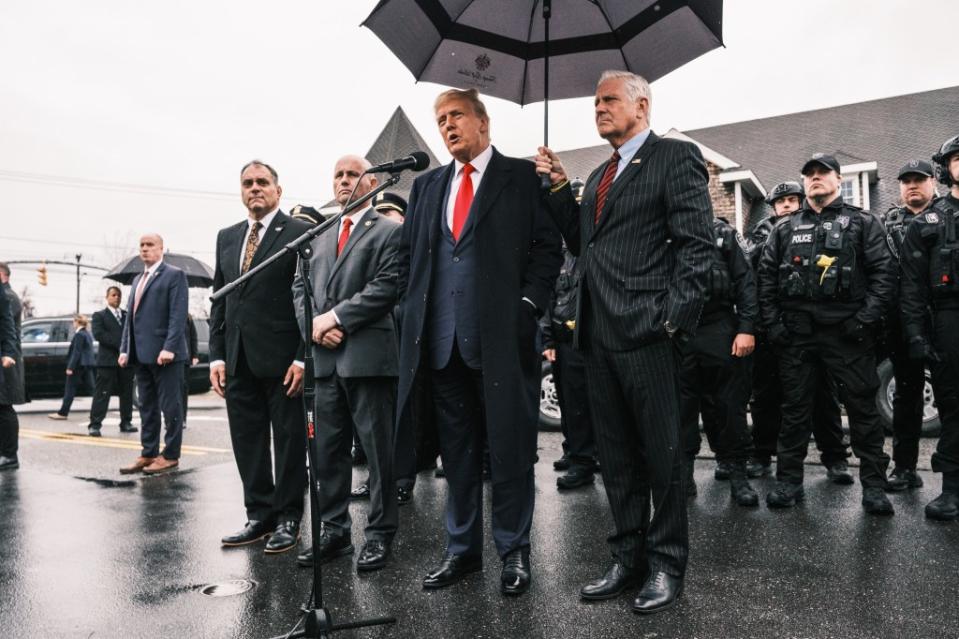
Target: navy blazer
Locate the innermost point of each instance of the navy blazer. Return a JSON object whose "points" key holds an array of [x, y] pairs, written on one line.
{"points": [[80, 354], [160, 321]]}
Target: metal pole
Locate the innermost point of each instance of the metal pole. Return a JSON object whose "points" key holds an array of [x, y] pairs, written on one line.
{"points": [[547, 12], [79, 255]]}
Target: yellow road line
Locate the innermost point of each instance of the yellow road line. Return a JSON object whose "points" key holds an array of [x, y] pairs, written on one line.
{"points": [[108, 442]]}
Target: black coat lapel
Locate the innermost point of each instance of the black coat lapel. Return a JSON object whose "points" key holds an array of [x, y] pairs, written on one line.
{"points": [[232, 251], [269, 238], [436, 201], [635, 166], [496, 178]]}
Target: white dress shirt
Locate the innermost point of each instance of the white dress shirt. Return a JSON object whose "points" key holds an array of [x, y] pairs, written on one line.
{"points": [[480, 162]]}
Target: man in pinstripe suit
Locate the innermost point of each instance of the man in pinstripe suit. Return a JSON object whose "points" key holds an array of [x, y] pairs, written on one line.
{"points": [[643, 232]]}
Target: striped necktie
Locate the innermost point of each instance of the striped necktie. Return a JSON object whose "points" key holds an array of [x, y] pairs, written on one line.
{"points": [[603, 190]]}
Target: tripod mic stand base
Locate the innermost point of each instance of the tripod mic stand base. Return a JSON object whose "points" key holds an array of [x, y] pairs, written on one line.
{"points": [[319, 624]]}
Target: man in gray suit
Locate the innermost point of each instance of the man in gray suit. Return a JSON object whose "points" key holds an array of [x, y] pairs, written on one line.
{"points": [[644, 236], [353, 275]]}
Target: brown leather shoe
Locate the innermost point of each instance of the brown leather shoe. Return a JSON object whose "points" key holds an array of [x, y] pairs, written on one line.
{"points": [[161, 465], [137, 466]]}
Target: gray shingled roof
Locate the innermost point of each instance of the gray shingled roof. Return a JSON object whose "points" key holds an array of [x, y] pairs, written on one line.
{"points": [[889, 131], [398, 139]]}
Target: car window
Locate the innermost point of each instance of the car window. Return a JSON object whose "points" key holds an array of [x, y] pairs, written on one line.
{"points": [[37, 333], [63, 330]]}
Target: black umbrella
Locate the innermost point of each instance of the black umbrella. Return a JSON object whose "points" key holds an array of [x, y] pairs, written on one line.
{"points": [[198, 274], [509, 48]]}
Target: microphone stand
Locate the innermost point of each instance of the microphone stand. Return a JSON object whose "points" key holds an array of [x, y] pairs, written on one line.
{"points": [[316, 618]]}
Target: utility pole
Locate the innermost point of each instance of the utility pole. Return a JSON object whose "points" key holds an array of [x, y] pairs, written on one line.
{"points": [[79, 255]]}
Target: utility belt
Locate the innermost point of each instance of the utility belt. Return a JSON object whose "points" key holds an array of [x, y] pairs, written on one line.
{"points": [[562, 331]]}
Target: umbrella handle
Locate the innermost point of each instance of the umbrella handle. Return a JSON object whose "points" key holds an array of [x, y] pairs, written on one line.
{"points": [[547, 13]]}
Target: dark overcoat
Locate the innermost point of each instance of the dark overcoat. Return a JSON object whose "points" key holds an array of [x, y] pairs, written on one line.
{"points": [[519, 255]]}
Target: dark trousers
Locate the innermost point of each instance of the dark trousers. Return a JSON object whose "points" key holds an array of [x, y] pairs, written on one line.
{"points": [[81, 375], [185, 389], [112, 380], [9, 431], [907, 403], [257, 407], [417, 442], [368, 404], [459, 399], [853, 366], [569, 373], [945, 380], [767, 410], [158, 388], [635, 407], [708, 370]]}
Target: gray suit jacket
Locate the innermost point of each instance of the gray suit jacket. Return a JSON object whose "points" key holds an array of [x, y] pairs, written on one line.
{"points": [[360, 286]]}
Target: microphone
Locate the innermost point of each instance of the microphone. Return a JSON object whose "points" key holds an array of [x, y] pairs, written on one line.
{"points": [[417, 161]]}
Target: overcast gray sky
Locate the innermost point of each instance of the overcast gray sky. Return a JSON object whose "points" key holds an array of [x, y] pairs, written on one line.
{"points": [[119, 117]]}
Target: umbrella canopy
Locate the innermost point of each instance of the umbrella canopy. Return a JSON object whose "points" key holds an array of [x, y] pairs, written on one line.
{"points": [[198, 274], [499, 46]]}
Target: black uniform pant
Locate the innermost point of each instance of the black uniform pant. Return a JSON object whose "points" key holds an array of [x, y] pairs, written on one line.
{"points": [[257, 406], [945, 381], [459, 400], [853, 366], [185, 389], [366, 403], [569, 373], [709, 370], [112, 380], [767, 410], [635, 408], [9, 431], [82, 375], [907, 403]]}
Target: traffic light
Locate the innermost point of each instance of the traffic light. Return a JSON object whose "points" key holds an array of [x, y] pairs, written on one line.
{"points": [[42, 274]]}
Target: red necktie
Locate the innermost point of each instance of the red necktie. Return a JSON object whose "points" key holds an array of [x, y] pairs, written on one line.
{"points": [[344, 235], [139, 292], [603, 189], [464, 198]]}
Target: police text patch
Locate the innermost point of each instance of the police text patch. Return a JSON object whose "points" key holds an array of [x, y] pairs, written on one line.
{"points": [[801, 238]]}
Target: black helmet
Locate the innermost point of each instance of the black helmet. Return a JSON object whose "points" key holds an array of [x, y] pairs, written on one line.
{"points": [[782, 190], [949, 148]]}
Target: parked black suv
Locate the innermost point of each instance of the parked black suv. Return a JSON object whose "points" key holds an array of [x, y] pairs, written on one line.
{"points": [[47, 339]]}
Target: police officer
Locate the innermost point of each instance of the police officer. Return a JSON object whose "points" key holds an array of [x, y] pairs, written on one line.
{"points": [[917, 188], [716, 365], [930, 282], [767, 401], [390, 205], [569, 375], [307, 214], [825, 280]]}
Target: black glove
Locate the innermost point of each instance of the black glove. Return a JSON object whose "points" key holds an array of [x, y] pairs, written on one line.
{"points": [[854, 330], [920, 349], [778, 335]]}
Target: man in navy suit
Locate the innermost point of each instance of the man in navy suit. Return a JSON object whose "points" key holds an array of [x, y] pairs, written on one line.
{"points": [[108, 331], [477, 263], [154, 340]]}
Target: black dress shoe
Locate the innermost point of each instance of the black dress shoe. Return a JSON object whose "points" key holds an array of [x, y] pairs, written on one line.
{"points": [[128, 428], [93, 432], [284, 537], [453, 568], [516, 575], [785, 495], [838, 473], [404, 495], [373, 555], [361, 492], [875, 502], [576, 477], [9, 463], [251, 533], [616, 580], [331, 547], [562, 463], [945, 507], [658, 593], [903, 478]]}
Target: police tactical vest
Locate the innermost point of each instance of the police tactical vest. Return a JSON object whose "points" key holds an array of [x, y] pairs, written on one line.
{"points": [[895, 220], [719, 290], [944, 260], [819, 261]]}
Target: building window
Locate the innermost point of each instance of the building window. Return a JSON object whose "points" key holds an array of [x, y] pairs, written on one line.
{"points": [[850, 190]]}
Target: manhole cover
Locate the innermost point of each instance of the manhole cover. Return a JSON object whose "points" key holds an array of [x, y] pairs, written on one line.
{"points": [[228, 588]]}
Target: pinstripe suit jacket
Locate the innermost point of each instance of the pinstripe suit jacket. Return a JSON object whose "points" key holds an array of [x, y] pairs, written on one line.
{"points": [[647, 259]]}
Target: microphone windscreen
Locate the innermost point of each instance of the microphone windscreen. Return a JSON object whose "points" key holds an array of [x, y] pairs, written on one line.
{"points": [[422, 160]]}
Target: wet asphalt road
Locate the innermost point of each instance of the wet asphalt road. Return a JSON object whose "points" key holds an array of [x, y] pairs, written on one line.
{"points": [[104, 556]]}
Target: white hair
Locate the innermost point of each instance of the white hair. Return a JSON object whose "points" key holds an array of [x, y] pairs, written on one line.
{"points": [[635, 85]]}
